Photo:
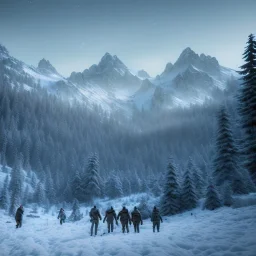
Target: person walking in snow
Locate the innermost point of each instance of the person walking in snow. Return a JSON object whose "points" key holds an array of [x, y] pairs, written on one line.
{"points": [[95, 217], [136, 220], [155, 219], [110, 216], [62, 216], [124, 218], [19, 216]]}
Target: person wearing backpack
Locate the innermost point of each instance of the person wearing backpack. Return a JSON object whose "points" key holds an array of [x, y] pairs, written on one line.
{"points": [[110, 216], [156, 218], [62, 216], [95, 217], [19, 216], [136, 220], [124, 218]]}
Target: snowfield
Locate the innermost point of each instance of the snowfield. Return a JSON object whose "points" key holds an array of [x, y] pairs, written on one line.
{"points": [[223, 232]]}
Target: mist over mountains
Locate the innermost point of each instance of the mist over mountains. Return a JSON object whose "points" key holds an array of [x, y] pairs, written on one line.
{"points": [[110, 84]]}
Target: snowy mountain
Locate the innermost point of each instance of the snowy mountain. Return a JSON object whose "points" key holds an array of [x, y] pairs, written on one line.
{"points": [[190, 80], [143, 74], [111, 84]]}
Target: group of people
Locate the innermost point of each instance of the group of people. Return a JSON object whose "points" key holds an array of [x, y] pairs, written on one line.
{"points": [[125, 219], [110, 217]]}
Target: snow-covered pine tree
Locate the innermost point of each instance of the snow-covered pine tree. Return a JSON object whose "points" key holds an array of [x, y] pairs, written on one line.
{"points": [[226, 167], [15, 200], [144, 209], [247, 106], [135, 183], [39, 195], [156, 190], [49, 187], [170, 200], [75, 215], [212, 200], [77, 186], [25, 195], [126, 186], [114, 186], [144, 186], [67, 193], [33, 180], [188, 194], [227, 194], [198, 181], [16, 186], [5, 198], [93, 189]]}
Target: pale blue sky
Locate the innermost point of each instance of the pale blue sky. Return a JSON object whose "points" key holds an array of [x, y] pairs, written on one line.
{"points": [[74, 34]]}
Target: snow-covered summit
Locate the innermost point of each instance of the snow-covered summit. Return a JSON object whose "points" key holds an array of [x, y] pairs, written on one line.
{"points": [[143, 74], [3, 52], [45, 67]]}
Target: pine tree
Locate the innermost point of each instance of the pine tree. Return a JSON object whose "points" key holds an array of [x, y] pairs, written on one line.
{"points": [[212, 200], [49, 187], [144, 209], [77, 186], [247, 106], [226, 167], [198, 181], [39, 195], [93, 189], [189, 198], [126, 186], [26, 195], [67, 193], [227, 194], [75, 215], [156, 190], [114, 186], [5, 198], [170, 200]]}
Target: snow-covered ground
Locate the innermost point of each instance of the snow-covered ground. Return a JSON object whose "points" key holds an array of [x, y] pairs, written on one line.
{"points": [[223, 232]]}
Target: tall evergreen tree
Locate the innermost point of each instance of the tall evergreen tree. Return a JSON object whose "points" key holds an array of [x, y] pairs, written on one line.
{"points": [[113, 186], [39, 195], [227, 194], [226, 167], [77, 186], [212, 200], [75, 215], [247, 106], [5, 198], [188, 195], [170, 200], [93, 188]]}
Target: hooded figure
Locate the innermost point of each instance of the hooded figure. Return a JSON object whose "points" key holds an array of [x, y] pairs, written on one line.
{"points": [[110, 216], [124, 218], [62, 216], [136, 220], [95, 217], [156, 218], [18, 216]]}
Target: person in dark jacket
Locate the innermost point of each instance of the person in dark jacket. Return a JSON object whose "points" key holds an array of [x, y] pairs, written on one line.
{"points": [[156, 218], [110, 216], [136, 220], [124, 218], [62, 216], [95, 217], [19, 216]]}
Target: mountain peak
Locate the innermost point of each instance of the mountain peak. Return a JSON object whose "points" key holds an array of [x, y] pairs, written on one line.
{"points": [[3, 52], [108, 62], [143, 74], [46, 67]]}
